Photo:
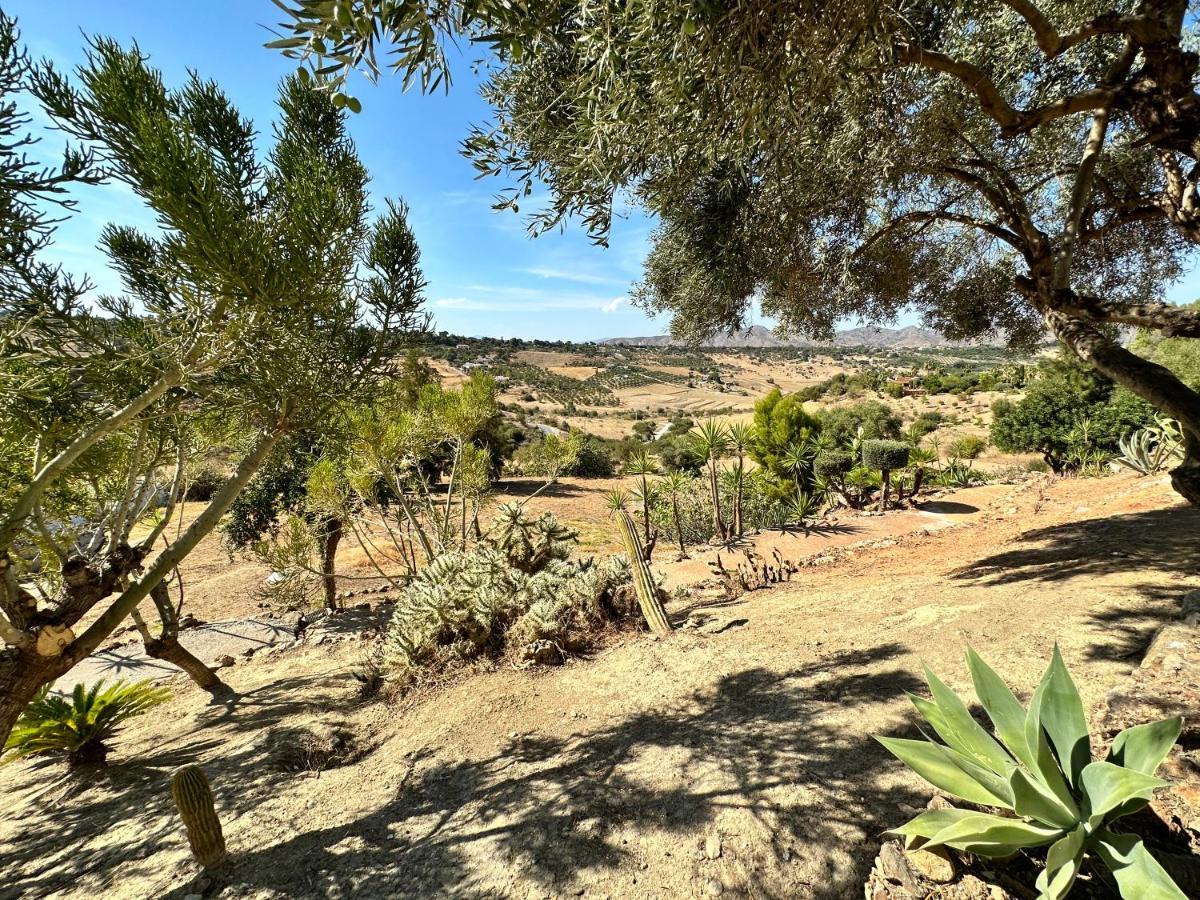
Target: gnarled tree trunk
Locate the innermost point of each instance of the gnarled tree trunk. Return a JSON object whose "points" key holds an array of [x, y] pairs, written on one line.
{"points": [[1155, 384]]}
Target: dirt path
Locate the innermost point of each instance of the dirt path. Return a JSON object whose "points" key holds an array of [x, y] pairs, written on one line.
{"points": [[747, 739]]}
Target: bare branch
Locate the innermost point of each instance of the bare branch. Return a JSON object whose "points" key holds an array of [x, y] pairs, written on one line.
{"points": [[1054, 44], [1171, 320]]}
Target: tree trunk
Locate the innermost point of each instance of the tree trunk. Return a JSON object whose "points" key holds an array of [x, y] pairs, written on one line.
{"points": [[1186, 478], [678, 525], [718, 521], [887, 485], [22, 674], [918, 480], [331, 536], [1155, 384], [168, 649], [738, 527]]}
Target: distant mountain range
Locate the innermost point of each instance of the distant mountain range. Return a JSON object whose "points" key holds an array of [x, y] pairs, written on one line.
{"points": [[911, 337]]}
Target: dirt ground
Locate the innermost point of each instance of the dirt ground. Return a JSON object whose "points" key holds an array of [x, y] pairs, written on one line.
{"points": [[733, 758]]}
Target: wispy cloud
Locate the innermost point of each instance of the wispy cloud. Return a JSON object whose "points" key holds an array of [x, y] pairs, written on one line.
{"points": [[613, 305], [578, 276]]}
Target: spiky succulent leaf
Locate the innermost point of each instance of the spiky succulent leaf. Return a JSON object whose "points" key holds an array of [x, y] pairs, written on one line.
{"points": [[1144, 747], [1062, 865], [936, 764], [977, 832], [1138, 874]]}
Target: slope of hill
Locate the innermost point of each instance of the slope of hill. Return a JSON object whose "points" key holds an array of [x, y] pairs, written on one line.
{"points": [[910, 337]]}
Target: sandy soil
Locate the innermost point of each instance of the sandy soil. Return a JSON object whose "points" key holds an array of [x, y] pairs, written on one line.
{"points": [[606, 777]]}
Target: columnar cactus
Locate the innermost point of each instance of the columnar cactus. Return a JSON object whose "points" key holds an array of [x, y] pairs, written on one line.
{"points": [[643, 580], [885, 456], [194, 799]]}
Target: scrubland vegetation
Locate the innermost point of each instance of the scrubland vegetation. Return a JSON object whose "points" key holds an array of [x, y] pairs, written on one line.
{"points": [[268, 379]]}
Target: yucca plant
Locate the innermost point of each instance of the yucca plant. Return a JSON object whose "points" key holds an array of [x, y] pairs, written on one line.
{"points": [[79, 727], [1038, 767]]}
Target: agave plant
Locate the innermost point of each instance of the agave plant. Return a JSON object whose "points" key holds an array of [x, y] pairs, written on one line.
{"points": [[1038, 767], [79, 727], [1151, 449]]}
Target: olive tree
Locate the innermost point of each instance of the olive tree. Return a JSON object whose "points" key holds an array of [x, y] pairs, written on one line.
{"points": [[1001, 167], [264, 297]]}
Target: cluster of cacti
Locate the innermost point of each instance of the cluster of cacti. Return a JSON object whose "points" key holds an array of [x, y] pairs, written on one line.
{"points": [[514, 588], [194, 800], [529, 544]]}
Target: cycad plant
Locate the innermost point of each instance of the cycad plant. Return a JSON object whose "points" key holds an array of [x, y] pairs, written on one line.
{"points": [[79, 727], [1038, 768], [710, 442]]}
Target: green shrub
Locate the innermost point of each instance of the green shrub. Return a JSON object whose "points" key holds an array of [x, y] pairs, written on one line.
{"points": [[1069, 415], [833, 464], [203, 484], [969, 446], [840, 424], [926, 423], [885, 456], [79, 728], [1038, 768], [780, 422], [594, 461]]}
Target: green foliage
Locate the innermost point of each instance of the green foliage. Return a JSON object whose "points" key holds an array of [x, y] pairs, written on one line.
{"points": [[959, 474], [1037, 766], [1180, 355], [885, 455], [78, 727], [529, 545], [1068, 415], [969, 446], [840, 424], [833, 463], [1152, 449], [780, 422]]}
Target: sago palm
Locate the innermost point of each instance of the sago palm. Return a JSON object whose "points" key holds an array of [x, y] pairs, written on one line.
{"points": [[79, 727]]}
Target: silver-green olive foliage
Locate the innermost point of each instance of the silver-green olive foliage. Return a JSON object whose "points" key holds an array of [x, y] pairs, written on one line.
{"points": [[1001, 167]]}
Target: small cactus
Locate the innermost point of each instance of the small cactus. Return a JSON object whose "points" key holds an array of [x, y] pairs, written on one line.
{"points": [[643, 580], [194, 799]]}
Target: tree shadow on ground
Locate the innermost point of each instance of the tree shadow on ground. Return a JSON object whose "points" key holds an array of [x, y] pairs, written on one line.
{"points": [[64, 833], [527, 487], [559, 810], [1164, 540]]}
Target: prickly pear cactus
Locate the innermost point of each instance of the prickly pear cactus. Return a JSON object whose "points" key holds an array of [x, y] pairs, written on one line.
{"points": [[194, 799]]}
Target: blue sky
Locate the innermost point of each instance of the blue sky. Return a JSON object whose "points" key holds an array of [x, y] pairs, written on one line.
{"points": [[486, 276]]}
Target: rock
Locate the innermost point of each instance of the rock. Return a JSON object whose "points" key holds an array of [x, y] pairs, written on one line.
{"points": [[714, 888], [936, 864], [712, 847], [223, 662]]}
